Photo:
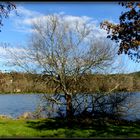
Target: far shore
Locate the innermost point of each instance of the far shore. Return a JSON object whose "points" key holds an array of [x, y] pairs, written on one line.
{"points": [[52, 93]]}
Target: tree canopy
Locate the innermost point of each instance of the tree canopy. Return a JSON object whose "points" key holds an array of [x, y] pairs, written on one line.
{"points": [[127, 32], [56, 48]]}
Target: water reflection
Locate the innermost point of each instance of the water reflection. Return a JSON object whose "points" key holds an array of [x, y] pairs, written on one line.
{"points": [[16, 104]]}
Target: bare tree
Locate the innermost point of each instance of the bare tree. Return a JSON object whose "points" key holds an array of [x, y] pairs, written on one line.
{"points": [[65, 53]]}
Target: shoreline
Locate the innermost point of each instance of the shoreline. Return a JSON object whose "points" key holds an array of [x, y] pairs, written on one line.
{"points": [[77, 93]]}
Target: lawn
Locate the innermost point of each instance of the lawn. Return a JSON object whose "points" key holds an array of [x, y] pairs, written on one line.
{"points": [[51, 128]]}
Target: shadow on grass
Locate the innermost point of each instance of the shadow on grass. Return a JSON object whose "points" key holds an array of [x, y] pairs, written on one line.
{"points": [[56, 123], [93, 128], [46, 124], [78, 128]]}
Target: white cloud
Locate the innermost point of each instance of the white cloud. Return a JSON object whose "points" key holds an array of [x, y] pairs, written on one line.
{"points": [[7, 49], [25, 13], [28, 13], [24, 21]]}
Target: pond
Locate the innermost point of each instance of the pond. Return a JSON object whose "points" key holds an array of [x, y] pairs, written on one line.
{"points": [[16, 104]]}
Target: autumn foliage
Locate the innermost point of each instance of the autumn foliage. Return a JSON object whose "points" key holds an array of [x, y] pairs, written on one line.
{"points": [[127, 32]]}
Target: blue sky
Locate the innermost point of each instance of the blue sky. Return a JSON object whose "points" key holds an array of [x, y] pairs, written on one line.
{"points": [[16, 29]]}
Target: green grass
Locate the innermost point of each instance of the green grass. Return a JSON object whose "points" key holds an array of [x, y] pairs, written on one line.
{"points": [[50, 128]]}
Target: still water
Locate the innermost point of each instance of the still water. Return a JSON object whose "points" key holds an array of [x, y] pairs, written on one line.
{"points": [[16, 104]]}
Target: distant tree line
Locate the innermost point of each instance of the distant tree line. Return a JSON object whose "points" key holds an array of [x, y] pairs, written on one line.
{"points": [[14, 82]]}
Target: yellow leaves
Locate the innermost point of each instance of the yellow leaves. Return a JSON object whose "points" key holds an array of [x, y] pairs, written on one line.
{"points": [[110, 26], [136, 42], [127, 31], [138, 5]]}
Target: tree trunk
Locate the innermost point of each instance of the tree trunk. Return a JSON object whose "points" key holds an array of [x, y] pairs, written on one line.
{"points": [[69, 109]]}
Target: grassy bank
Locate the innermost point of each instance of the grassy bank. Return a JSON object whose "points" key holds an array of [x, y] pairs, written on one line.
{"points": [[57, 129]]}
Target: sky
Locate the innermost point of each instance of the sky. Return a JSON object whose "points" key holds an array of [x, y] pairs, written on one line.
{"points": [[17, 27]]}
